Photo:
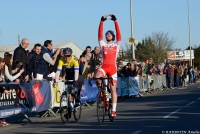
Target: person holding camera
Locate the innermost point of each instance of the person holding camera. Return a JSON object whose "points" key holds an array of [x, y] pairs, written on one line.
{"points": [[6, 73]]}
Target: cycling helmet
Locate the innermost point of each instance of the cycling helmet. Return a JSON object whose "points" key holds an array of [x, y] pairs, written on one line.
{"points": [[67, 51], [112, 33]]}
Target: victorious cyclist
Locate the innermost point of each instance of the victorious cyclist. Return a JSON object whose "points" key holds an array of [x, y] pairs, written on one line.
{"points": [[110, 51]]}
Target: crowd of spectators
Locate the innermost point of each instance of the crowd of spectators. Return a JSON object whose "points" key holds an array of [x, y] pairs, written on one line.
{"points": [[25, 66], [177, 73]]}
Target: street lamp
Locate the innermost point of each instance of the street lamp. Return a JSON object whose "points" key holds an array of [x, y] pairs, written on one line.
{"points": [[120, 54], [189, 32], [131, 40]]}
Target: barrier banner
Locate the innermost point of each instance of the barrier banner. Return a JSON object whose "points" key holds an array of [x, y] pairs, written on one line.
{"points": [[89, 93], [57, 93], [38, 95], [124, 86], [133, 86], [13, 103]]}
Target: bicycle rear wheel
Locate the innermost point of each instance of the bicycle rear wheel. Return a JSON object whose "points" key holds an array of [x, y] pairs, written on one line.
{"points": [[64, 113], [100, 107], [77, 110], [110, 111]]}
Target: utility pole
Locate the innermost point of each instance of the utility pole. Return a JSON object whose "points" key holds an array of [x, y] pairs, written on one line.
{"points": [[18, 38]]}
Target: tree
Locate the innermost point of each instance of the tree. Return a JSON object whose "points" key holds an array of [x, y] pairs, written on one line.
{"points": [[155, 46], [197, 56]]}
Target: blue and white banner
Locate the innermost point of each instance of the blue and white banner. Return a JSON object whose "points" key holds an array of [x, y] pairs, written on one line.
{"points": [[89, 93], [38, 95], [13, 103], [133, 86]]}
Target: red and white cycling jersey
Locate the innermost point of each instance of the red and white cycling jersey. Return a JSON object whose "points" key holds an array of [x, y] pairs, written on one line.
{"points": [[109, 52]]}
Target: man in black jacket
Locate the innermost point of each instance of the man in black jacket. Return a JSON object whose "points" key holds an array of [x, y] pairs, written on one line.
{"points": [[94, 59], [87, 50], [21, 55], [32, 60]]}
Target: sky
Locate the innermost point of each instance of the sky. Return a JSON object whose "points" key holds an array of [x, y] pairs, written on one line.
{"points": [[78, 20]]}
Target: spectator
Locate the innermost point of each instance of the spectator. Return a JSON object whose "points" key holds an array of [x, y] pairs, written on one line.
{"points": [[150, 61], [54, 67], [21, 55], [94, 59], [160, 69], [8, 67], [190, 73], [129, 70], [146, 66], [125, 68], [173, 80], [8, 61], [167, 63], [184, 75], [178, 76], [134, 65], [195, 75], [120, 63], [31, 60], [81, 64], [154, 70], [95, 53], [119, 71], [87, 50], [143, 75], [44, 60], [6, 72], [87, 65], [169, 76]]}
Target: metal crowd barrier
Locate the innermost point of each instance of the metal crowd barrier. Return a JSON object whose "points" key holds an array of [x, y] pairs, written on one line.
{"points": [[159, 82]]}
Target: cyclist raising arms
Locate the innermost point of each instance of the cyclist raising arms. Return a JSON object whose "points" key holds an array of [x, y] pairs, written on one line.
{"points": [[110, 51], [70, 63]]}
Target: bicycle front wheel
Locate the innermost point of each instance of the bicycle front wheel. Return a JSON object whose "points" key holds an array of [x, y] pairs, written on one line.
{"points": [[100, 107], [64, 113], [77, 110]]}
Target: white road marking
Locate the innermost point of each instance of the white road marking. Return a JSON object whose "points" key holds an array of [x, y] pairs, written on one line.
{"points": [[190, 103], [137, 132], [179, 109], [172, 113]]}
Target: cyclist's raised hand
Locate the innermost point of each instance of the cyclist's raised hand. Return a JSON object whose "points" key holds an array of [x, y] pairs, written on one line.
{"points": [[113, 17], [103, 18]]}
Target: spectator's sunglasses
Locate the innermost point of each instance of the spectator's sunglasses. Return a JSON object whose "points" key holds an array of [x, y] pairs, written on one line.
{"points": [[67, 56]]}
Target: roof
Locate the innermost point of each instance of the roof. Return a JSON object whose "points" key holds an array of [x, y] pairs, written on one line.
{"points": [[77, 51], [10, 48]]}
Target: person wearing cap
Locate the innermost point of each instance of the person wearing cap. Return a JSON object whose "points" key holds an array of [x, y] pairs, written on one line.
{"points": [[110, 51]]}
